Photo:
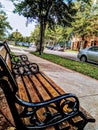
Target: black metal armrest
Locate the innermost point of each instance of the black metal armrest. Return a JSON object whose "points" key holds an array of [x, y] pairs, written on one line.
{"points": [[65, 106], [47, 102]]}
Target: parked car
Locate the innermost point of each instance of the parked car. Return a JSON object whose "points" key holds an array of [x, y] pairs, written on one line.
{"points": [[50, 47], [19, 43], [58, 48], [26, 44], [89, 54]]}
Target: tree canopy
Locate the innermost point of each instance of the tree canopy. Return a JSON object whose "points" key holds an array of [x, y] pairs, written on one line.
{"points": [[16, 36], [86, 20], [53, 11], [4, 24]]}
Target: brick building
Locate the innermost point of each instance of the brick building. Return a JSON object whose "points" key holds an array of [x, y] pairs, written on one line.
{"points": [[78, 43]]}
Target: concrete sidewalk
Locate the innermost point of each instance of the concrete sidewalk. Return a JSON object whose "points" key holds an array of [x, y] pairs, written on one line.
{"points": [[72, 82]]}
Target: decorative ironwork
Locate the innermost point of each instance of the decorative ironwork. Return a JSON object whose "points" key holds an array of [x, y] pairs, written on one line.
{"points": [[20, 68], [65, 107]]}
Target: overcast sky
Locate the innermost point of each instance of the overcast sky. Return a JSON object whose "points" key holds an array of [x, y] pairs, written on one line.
{"points": [[16, 21]]}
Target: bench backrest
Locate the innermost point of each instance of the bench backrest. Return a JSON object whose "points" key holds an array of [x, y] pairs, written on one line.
{"points": [[9, 85], [5, 54], [6, 67]]}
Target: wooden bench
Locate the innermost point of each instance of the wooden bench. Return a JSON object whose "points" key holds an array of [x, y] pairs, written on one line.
{"points": [[35, 101]]}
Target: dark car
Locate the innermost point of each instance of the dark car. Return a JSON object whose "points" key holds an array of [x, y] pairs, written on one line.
{"points": [[89, 54]]}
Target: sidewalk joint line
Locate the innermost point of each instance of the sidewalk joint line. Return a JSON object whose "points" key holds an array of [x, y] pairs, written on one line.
{"points": [[88, 95]]}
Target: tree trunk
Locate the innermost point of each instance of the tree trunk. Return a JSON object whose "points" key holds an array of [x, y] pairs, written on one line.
{"points": [[42, 26], [42, 33], [41, 36]]}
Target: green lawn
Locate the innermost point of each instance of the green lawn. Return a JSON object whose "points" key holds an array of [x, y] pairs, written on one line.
{"points": [[81, 67]]}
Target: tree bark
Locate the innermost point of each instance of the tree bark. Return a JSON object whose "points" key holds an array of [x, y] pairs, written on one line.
{"points": [[42, 34]]}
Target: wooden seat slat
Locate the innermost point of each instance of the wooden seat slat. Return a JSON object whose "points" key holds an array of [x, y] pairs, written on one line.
{"points": [[33, 93], [50, 90], [31, 90], [53, 84], [40, 88], [65, 125], [22, 93], [77, 119], [51, 128]]}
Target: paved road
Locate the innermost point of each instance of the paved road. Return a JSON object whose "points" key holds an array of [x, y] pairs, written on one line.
{"points": [[84, 87], [66, 54]]}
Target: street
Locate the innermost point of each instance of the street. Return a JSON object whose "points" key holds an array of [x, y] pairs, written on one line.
{"points": [[65, 54]]}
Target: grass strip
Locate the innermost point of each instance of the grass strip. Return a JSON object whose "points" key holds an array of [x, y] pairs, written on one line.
{"points": [[82, 67]]}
